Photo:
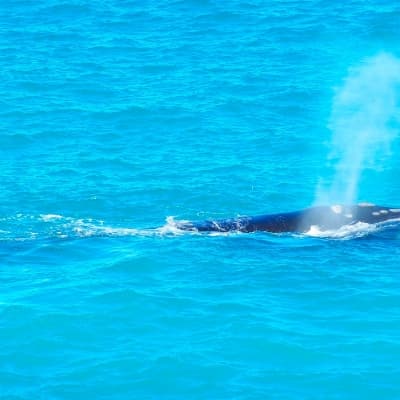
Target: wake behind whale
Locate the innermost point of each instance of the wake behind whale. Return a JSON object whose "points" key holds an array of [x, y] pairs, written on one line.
{"points": [[323, 221], [324, 218]]}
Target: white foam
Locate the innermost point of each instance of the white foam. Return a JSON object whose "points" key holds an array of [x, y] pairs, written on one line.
{"points": [[84, 228], [171, 227], [350, 231], [50, 217]]}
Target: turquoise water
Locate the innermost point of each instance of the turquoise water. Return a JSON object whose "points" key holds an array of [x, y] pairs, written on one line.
{"points": [[118, 114]]}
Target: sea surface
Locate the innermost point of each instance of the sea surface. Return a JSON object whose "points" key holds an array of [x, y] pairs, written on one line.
{"points": [[119, 117]]}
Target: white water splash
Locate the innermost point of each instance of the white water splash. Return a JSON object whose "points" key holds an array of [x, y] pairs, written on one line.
{"points": [[359, 229], [364, 121], [23, 227]]}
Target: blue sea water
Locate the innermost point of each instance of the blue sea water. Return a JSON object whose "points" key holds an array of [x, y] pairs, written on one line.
{"points": [[118, 114]]}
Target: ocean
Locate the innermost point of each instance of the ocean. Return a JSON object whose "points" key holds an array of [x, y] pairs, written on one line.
{"points": [[118, 118]]}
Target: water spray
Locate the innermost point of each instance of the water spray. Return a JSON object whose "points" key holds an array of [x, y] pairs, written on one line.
{"points": [[365, 119]]}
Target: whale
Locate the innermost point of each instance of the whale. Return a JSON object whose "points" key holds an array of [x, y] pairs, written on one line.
{"points": [[323, 217]]}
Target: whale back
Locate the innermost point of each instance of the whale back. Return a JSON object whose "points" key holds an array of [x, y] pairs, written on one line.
{"points": [[323, 217]]}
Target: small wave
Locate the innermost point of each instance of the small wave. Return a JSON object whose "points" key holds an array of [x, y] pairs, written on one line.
{"points": [[49, 217]]}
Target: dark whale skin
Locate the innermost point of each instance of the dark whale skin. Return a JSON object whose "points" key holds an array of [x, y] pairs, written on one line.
{"points": [[324, 217]]}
